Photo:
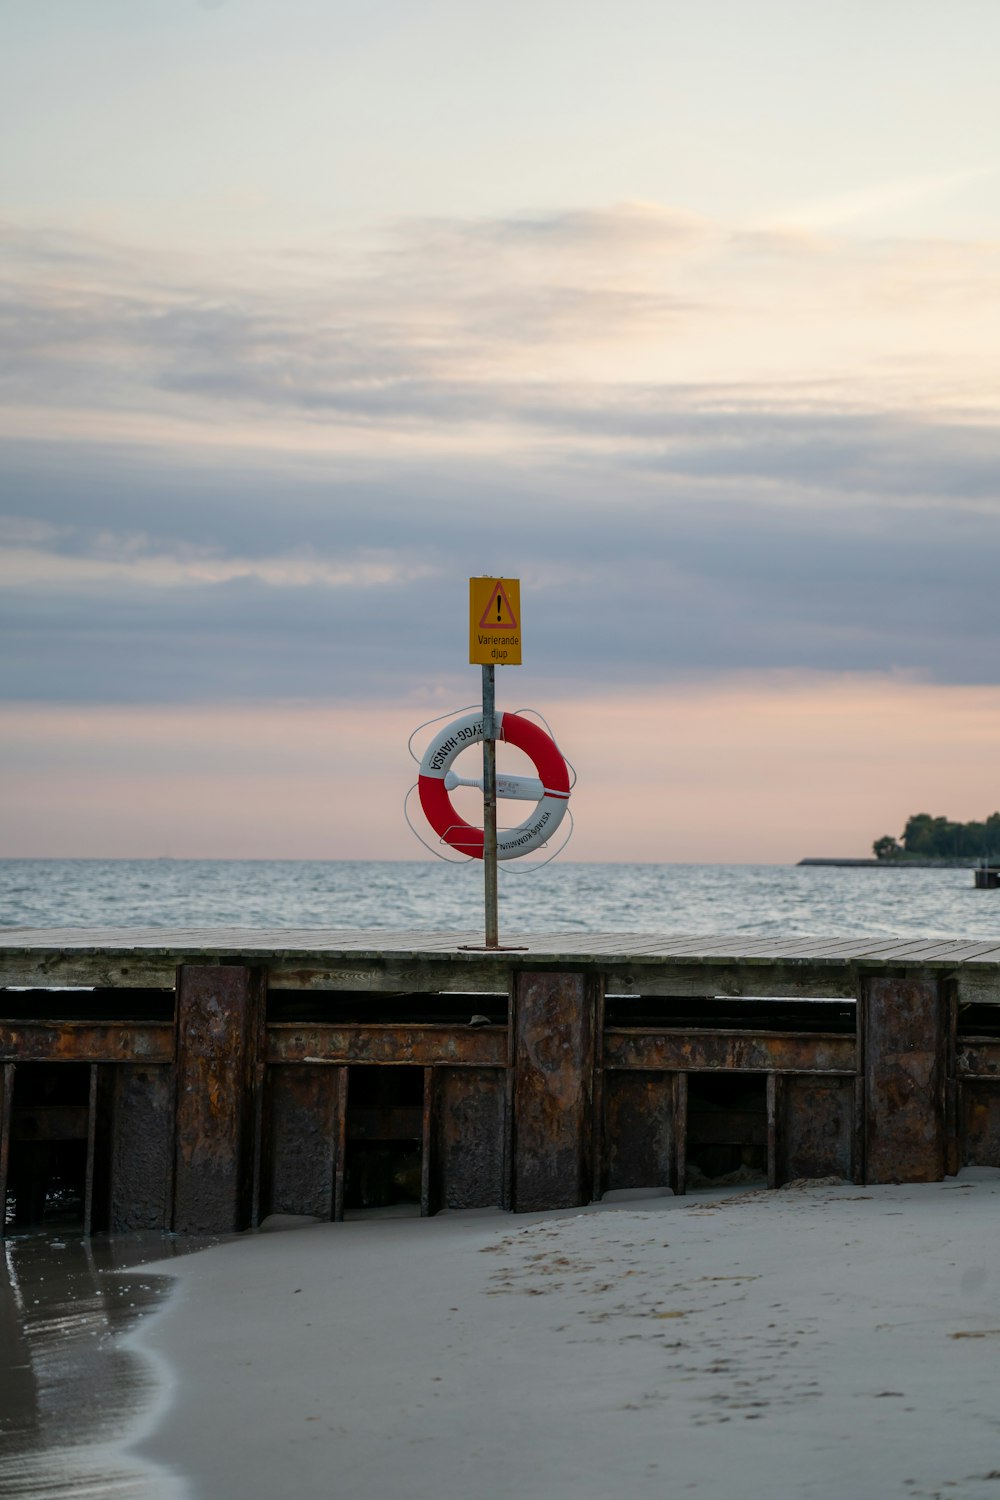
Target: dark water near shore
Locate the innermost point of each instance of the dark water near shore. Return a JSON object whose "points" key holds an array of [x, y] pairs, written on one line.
{"points": [[70, 1384]]}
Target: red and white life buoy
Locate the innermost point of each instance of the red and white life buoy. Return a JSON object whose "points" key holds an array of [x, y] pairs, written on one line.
{"points": [[552, 785]]}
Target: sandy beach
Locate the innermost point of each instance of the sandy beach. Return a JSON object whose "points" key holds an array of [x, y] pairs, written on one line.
{"points": [[823, 1340]]}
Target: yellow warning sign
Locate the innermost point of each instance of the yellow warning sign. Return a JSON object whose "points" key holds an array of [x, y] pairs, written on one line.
{"points": [[495, 622]]}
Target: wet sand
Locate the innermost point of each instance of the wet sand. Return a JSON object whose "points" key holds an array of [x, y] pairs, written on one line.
{"points": [[822, 1341]]}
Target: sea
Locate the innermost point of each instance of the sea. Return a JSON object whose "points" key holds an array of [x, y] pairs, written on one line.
{"points": [[429, 895]]}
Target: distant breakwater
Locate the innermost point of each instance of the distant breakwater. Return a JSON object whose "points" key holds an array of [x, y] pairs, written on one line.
{"points": [[897, 864]]}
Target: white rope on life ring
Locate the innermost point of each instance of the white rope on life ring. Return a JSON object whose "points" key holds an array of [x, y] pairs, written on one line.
{"points": [[551, 786]]}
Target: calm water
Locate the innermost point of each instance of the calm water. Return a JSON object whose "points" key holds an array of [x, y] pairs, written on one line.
{"points": [[693, 899]]}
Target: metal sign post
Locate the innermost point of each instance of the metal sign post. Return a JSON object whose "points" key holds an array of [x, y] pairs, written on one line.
{"points": [[494, 639], [490, 808]]}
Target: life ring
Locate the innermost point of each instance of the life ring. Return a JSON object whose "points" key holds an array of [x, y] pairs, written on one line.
{"points": [[553, 776]]}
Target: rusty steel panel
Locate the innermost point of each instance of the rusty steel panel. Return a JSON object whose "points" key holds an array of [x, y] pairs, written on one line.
{"points": [[467, 1152], [301, 1139], [142, 1139], [220, 1025], [86, 1041], [815, 1127], [737, 1051], [979, 1124], [423, 1046], [905, 1035], [553, 1068], [638, 1130], [974, 1058]]}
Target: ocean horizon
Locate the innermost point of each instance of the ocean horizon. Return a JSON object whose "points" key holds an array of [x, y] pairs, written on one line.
{"points": [[384, 895]]}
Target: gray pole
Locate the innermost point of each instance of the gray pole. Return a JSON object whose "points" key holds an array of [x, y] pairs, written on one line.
{"points": [[490, 807]]}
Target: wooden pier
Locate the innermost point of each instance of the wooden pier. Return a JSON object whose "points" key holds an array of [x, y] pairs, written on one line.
{"points": [[201, 1080]]}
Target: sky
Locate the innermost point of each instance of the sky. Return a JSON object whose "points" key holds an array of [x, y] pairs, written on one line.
{"points": [[686, 316]]}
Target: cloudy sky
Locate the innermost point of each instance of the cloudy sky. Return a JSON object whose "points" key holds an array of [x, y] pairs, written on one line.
{"points": [[687, 316]]}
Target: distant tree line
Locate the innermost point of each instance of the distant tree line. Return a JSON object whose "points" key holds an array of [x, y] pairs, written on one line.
{"points": [[925, 837]]}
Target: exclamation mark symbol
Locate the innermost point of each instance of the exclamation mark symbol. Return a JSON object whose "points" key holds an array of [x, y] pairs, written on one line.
{"points": [[498, 609]]}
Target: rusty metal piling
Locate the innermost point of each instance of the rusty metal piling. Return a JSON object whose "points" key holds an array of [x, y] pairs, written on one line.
{"points": [[199, 1082]]}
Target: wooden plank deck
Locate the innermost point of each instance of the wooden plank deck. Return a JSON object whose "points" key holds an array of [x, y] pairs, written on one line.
{"points": [[288, 942], [421, 962]]}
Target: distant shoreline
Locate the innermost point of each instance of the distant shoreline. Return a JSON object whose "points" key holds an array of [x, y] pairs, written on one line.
{"points": [[898, 864]]}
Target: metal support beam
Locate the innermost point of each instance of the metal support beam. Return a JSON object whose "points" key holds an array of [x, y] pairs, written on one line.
{"points": [[773, 1086], [904, 1080], [553, 1066], [490, 808], [218, 1041], [680, 1114], [340, 1154], [88, 1189], [6, 1108], [427, 1206], [598, 1142]]}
